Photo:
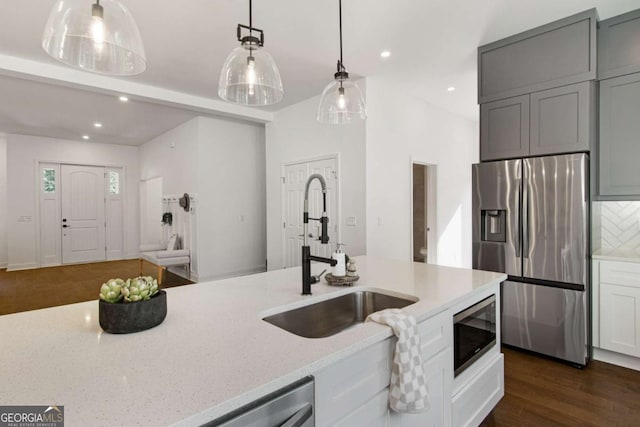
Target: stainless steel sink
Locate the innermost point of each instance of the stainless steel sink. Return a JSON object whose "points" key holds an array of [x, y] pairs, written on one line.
{"points": [[334, 315]]}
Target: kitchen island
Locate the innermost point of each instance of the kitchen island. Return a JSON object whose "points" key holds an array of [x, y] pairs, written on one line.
{"points": [[212, 354]]}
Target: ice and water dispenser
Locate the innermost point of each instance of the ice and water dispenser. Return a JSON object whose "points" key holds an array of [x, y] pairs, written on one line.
{"points": [[494, 225]]}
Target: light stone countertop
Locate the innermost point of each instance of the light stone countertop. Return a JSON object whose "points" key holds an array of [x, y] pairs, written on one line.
{"points": [[616, 255], [212, 354]]}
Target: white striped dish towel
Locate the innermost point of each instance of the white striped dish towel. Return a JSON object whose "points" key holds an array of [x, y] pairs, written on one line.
{"points": [[408, 386]]}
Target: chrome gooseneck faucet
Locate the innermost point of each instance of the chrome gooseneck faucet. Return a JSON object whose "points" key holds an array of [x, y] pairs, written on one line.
{"points": [[307, 279]]}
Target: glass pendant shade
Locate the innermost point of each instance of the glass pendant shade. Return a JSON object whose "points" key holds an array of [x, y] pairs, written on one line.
{"points": [[341, 104], [250, 76], [101, 37]]}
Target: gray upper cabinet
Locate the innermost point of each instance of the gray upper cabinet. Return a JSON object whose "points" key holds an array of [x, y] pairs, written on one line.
{"points": [[562, 119], [557, 54], [619, 148], [619, 45], [504, 128]]}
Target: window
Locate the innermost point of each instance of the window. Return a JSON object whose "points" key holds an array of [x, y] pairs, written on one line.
{"points": [[49, 178], [114, 183]]}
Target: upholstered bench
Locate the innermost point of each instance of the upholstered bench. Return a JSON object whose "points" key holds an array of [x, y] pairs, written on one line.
{"points": [[161, 257]]}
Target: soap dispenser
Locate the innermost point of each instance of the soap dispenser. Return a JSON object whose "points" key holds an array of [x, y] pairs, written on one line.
{"points": [[340, 269]]}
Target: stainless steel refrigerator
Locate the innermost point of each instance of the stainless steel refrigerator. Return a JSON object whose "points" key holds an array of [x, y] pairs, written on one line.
{"points": [[531, 221]]}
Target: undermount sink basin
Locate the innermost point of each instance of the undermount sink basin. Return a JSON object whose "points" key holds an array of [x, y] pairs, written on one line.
{"points": [[326, 318]]}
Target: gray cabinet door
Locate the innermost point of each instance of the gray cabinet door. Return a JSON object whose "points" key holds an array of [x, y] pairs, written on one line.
{"points": [[619, 166], [556, 54], [504, 128], [561, 119], [619, 45]]}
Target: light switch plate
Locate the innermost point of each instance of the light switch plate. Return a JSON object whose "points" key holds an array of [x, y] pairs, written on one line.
{"points": [[351, 221]]}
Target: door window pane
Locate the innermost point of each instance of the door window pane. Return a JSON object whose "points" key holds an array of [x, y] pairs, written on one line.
{"points": [[114, 183], [49, 177]]}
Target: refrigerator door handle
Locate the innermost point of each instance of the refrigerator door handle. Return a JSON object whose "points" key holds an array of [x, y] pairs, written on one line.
{"points": [[518, 233], [525, 220]]}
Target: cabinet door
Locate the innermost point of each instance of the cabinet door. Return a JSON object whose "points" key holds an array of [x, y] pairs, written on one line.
{"points": [[618, 47], [619, 317], [561, 119], [619, 173], [347, 385], [439, 372], [504, 128], [560, 53]]}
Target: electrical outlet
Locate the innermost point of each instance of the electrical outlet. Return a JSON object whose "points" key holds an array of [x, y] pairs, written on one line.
{"points": [[351, 221], [380, 220]]}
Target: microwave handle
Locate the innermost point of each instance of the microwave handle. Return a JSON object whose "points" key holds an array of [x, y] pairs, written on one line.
{"points": [[476, 307]]}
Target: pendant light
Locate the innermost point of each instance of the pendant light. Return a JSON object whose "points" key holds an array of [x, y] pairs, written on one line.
{"points": [[101, 37], [341, 101], [250, 76]]}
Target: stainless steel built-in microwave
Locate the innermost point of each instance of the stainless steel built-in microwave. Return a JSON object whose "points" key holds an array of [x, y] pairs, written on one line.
{"points": [[474, 333]]}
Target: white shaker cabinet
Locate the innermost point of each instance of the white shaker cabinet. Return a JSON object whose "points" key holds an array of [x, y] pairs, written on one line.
{"points": [[619, 284], [355, 391]]}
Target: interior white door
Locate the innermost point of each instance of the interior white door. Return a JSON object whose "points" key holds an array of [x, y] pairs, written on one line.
{"points": [[295, 178], [83, 216]]}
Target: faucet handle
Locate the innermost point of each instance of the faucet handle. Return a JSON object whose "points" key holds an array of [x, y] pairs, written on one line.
{"points": [[316, 279]]}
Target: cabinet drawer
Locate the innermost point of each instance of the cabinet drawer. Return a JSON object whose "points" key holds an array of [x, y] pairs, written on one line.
{"points": [[478, 397], [350, 383], [620, 273], [435, 334]]}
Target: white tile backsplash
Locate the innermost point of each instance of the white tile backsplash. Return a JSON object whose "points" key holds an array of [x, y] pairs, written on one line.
{"points": [[616, 225]]}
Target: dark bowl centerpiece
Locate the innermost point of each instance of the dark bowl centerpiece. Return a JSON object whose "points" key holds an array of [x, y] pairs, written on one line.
{"points": [[132, 305]]}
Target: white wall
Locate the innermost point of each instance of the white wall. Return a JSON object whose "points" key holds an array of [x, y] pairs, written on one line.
{"points": [[23, 154], [3, 201], [231, 190], [402, 128], [222, 162], [172, 156], [295, 135]]}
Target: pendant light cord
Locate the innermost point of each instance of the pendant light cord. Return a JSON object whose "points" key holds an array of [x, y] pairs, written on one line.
{"points": [[340, 18], [250, 17]]}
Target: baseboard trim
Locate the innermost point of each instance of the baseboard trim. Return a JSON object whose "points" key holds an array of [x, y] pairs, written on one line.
{"points": [[229, 275], [3, 264], [614, 358], [23, 266]]}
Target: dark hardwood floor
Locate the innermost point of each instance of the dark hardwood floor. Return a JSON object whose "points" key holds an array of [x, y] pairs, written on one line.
{"points": [[541, 392], [48, 287]]}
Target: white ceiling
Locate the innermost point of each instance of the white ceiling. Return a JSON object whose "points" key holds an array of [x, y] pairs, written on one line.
{"points": [[433, 42], [34, 108]]}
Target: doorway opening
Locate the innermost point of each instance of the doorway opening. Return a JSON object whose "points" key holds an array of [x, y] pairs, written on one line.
{"points": [[423, 212]]}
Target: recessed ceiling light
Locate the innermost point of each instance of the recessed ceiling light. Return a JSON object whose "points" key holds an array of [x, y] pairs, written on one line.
{"points": [[98, 125], [124, 99], [85, 136], [451, 88], [385, 54]]}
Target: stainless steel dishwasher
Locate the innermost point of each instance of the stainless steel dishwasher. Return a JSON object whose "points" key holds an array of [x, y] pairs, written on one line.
{"points": [[291, 406]]}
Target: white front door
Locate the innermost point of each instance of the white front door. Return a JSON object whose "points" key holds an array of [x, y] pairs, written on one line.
{"points": [[83, 216], [295, 178]]}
